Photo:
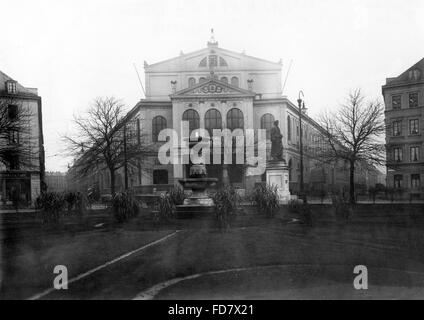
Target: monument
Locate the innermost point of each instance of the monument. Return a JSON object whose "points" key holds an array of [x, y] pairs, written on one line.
{"points": [[277, 172]]}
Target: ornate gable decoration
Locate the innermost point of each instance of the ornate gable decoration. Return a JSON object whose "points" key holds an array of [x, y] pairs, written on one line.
{"points": [[212, 87]]}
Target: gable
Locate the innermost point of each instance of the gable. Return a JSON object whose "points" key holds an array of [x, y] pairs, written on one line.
{"points": [[5, 78], [200, 60], [413, 74], [212, 88]]}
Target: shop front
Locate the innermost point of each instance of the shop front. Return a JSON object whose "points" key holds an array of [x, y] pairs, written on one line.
{"points": [[15, 188]]}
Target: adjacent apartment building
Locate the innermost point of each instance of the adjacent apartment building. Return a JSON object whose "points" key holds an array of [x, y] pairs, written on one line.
{"points": [[56, 181], [404, 102], [21, 173]]}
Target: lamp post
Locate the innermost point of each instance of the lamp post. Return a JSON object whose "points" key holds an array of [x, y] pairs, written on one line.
{"points": [[125, 158], [301, 105]]}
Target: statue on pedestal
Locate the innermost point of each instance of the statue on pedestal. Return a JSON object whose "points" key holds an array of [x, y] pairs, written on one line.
{"points": [[277, 172], [276, 143]]}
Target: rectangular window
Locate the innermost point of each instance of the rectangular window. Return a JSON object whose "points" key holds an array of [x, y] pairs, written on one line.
{"points": [[414, 154], [160, 177], [12, 111], [415, 181], [397, 102], [398, 154], [413, 100], [12, 162], [13, 137], [413, 126], [11, 86], [397, 128], [397, 181], [138, 132]]}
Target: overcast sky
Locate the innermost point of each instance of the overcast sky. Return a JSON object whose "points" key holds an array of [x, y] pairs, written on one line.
{"points": [[74, 51]]}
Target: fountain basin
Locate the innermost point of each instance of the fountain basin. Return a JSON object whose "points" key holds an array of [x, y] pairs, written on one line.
{"points": [[199, 196]]}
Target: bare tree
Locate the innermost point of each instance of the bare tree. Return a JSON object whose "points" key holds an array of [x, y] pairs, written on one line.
{"points": [[16, 141], [102, 138], [353, 133]]}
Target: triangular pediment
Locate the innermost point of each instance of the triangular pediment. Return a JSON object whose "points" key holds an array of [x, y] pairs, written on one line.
{"points": [[212, 87]]}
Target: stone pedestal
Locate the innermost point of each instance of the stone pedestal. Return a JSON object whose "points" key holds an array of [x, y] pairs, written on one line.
{"points": [[277, 174]]}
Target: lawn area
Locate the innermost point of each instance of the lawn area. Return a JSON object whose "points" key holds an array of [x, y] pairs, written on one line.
{"points": [[284, 258], [29, 257], [292, 282]]}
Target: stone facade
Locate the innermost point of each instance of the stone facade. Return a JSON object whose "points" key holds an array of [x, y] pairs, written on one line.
{"points": [[25, 180], [404, 114], [56, 181]]}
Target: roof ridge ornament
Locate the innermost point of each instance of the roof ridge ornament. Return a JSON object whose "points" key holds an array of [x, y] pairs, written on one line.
{"points": [[212, 75], [212, 42]]}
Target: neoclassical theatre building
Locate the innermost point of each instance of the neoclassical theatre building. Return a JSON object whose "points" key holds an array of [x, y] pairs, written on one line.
{"points": [[215, 88]]}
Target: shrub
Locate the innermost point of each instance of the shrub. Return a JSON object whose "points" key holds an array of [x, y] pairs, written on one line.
{"points": [[51, 205], [380, 187], [165, 207], [294, 206], [80, 203], [177, 195], [266, 199], [303, 209], [124, 206], [75, 201], [226, 202], [322, 194], [70, 198], [373, 191], [390, 193], [306, 214], [342, 209]]}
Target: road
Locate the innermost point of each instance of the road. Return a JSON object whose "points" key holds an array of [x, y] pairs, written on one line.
{"points": [[274, 263]]}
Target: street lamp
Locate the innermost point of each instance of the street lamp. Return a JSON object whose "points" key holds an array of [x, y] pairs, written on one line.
{"points": [[125, 158], [301, 105]]}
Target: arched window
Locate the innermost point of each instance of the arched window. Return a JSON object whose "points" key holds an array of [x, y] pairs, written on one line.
{"points": [[222, 62], [224, 79], [235, 81], [235, 119], [288, 128], [191, 81], [267, 121], [203, 62], [193, 119], [213, 120], [158, 124], [202, 79], [213, 60]]}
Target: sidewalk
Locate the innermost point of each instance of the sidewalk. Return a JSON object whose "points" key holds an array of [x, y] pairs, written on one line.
{"points": [[23, 210], [97, 206], [378, 201]]}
